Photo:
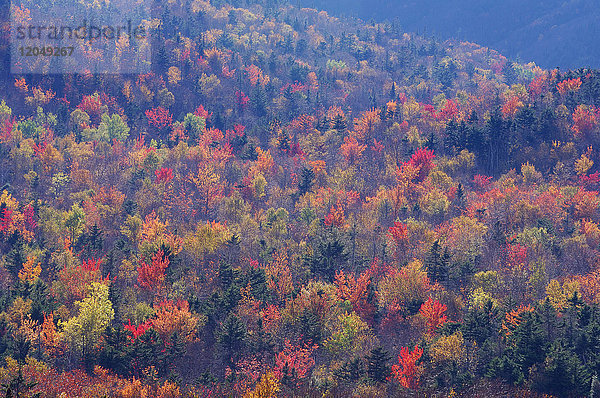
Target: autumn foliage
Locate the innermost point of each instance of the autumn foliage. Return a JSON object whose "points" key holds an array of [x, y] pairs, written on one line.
{"points": [[352, 150], [159, 117], [151, 276], [294, 360], [433, 312], [285, 203], [422, 160], [407, 372]]}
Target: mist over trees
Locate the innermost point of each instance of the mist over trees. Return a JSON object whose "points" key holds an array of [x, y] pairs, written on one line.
{"points": [[552, 33]]}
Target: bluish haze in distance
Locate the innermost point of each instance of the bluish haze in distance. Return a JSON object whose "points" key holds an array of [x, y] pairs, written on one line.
{"points": [[563, 33]]}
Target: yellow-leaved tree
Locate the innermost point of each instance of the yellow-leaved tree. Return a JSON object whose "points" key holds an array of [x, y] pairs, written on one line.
{"points": [[267, 387], [95, 314]]}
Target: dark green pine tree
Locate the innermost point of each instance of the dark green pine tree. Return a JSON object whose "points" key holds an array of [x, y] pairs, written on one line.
{"points": [[431, 142], [249, 152], [310, 327], [258, 100], [328, 256], [272, 62], [42, 301], [95, 240], [498, 142], [351, 370], [323, 124], [233, 248], [510, 75], [261, 341], [231, 337], [339, 123], [306, 181], [480, 324], [460, 194], [452, 137], [227, 275], [19, 347], [230, 281], [571, 318], [148, 351], [378, 368], [587, 343], [437, 263], [258, 283], [160, 60], [563, 374], [548, 319], [116, 353], [16, 256], [527, 343]]}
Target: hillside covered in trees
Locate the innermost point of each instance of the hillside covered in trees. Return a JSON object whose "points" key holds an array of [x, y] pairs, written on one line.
{"points": [[295, 205], [553, 33]]}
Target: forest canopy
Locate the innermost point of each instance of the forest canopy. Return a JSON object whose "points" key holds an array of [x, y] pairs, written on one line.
{"points": [[291, 204]]}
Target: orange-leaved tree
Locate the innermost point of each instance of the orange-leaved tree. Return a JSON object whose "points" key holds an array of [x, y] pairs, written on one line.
{"points": [[433, 312], [336, 217], [175, 317], [352, 150], [359, 292]]}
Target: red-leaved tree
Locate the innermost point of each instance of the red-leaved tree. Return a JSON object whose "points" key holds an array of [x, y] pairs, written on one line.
{"points": [[160, 118], [399, 234], [352, 150], [163, 175], [336, 217], [358, 292], [151, 276], [423, 160], [407, 372], [137, 330], [294, 361]]}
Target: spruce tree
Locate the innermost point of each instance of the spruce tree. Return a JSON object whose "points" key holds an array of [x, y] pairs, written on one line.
{"points": [[328, 256], [232, 338], [437, 263], [351, 370], [306, 181], [378, 368], [339, 123]]}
